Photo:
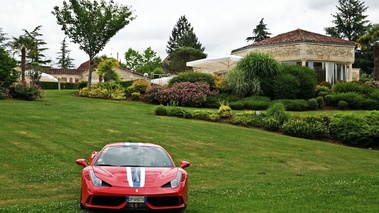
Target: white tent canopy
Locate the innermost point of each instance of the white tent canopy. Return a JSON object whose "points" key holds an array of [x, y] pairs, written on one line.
{"points": [[216, 64], [44, 77]]}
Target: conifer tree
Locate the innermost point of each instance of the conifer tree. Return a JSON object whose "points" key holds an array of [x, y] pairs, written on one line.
{"points": [[64, 60], [259, 33], [350, 20], [183, 36]]}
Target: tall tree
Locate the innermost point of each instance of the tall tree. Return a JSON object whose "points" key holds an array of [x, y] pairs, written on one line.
{"points": [[146, 62], [64, 60], [350, 20], [91, 24], [183, 36], [3, 39], [371, 41], [181, 56], [259, 33], [35, 53], [20, 45], [8, 74]]}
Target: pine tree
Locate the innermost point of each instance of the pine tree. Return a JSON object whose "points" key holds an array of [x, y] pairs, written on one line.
{"points": [[259, 33], [350, 21], [3, 39], [35, 54], [183, 36], [64, 60]]}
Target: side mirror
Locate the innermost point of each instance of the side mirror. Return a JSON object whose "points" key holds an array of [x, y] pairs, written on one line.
{"points": [[184, 164], [91, 157], [81, 162]]}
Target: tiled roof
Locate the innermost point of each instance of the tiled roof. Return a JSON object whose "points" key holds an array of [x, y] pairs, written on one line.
{"points": [[58, 71], [297, 36]]}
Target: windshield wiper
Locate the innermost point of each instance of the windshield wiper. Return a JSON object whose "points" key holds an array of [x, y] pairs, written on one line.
{"points": [[104, 164]]}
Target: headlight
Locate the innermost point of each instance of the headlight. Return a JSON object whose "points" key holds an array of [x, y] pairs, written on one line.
{"points": [[175, 183], [95, 180]]}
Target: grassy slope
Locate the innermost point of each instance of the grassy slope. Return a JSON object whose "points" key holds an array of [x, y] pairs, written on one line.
{"points": [[233, 169]]}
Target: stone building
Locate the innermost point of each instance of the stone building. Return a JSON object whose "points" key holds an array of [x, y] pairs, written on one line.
{"points": [[331, 57]]}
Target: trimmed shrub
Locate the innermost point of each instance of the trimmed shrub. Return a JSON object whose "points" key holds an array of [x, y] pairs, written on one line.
{"points": [[322, 91], [238, 105], [249, 118], [310, 127], [327, 84], [369, 104], [82, 84], [175, 111], [342, 87], [201, 114], [294, 105], [374, 94], [320, 101], [107, 90], [278, 111], [225, 111], [193, 77], [160, 110], [286, 86], [342, 105], [354, 99], [312, 104], [257, 102], [271, 124], [136, 96], [351, 129]]}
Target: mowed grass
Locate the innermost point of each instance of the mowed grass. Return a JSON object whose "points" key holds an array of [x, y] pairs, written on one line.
{"points": [[233, 169]]}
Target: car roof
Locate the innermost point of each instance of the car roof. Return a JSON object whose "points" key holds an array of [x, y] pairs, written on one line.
{"points": [[132, 144]]}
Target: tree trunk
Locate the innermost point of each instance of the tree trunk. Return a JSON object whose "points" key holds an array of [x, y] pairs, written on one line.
{"points": [[376, 62], [90, 72], [23, 53]]}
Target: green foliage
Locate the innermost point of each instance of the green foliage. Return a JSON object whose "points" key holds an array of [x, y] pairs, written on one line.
{"points": [[350, 20], [182, 55], [320, 101], [259, 33], [322, 91], [313, 104], [294, 104], [295, 82], [106, 90], [140, 85], [91, 24], [25, 91], [278, 111], [259, 66], [81, 84], [240, 85], [63, 59], [193, 77], [106, 69], [225, 111], [256, 102], [310, 127], [271, 124], [146, 62], [136, 96], [353, 99], [342, 105], [352, 130], [8, 74], [160, 110], [343, 87], [249, 119], [221, 85], [182, 35], [237, 105], [286, 86]]}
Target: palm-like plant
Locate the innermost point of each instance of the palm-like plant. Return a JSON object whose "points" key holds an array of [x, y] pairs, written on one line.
{"points": [[371, 39], [19, 46]]}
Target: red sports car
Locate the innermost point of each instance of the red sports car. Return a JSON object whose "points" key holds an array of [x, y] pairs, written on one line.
{"points": [[139, 176]]}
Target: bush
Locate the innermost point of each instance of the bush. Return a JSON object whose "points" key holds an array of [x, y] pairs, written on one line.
{"points": [[374, 95], [139, 85], [312, 104], [310, 127], [249, 118], [257, 102], [225, 111], [160, 110], [278, 111], [184, 93], [237, 105], [136, 96], [221, 85], [342, 105], [286, 86], [201, 114], [81, 84], [193, 77], [294, 105], [343, 87], [322, 91], [369, 104], [326, 84], [352, 130], [354, 99], [320, 101], [25, 91], [175, 111], [271, 124], [106, 90]]}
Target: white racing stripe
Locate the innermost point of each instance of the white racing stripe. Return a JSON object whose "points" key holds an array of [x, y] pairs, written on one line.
{"points": [[136, 176]]}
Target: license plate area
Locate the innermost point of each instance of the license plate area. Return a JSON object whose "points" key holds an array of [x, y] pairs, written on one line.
{"points": [[136, 199]]}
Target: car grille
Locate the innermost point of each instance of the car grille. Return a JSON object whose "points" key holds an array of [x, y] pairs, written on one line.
{"points": [[165, 201], [107, 200]]}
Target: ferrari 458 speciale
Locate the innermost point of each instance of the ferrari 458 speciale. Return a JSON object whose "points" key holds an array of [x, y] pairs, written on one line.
{"points": [[137, 176]]}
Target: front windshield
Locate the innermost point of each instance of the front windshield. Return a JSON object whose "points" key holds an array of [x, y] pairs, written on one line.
{"points": [[134, 156]]}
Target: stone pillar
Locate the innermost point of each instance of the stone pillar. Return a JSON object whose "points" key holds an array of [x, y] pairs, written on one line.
{"points": [[349, 72], [303, 62]]}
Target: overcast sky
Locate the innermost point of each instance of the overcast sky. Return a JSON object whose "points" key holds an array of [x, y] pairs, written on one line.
{"points": [[220, 25]]}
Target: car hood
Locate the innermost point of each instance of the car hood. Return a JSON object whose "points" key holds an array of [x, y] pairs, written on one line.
{"points": [[136, 176]]}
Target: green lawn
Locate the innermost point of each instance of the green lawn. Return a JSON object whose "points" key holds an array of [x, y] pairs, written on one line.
{"points": [[233, 169]]}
